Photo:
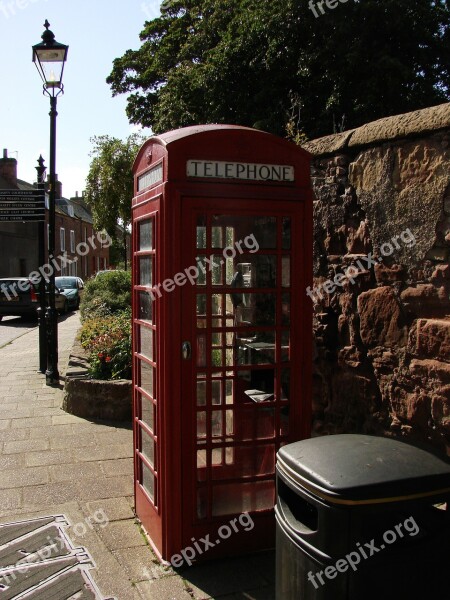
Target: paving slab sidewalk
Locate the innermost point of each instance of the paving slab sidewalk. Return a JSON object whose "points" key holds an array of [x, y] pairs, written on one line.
{"points": [[53, 463]]}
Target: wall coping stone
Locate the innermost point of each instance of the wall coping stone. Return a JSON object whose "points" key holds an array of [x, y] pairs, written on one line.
{"points": [[411, 124]]}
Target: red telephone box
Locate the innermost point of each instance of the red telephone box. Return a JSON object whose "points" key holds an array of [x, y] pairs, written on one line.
{"points": [[222, 332]]}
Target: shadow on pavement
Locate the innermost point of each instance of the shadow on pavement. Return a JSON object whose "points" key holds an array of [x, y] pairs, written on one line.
{"points": [[19, 322], [253, 574]]}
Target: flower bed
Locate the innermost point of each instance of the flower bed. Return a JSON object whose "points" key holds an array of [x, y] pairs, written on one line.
{"points": [[107, 341]]}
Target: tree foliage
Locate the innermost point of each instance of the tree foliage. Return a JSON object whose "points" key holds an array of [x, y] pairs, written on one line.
{"points": [[273, 65], [106, 294], [109, 184]]}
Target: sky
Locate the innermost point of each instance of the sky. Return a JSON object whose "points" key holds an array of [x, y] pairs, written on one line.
{"points": [[97, 32]]}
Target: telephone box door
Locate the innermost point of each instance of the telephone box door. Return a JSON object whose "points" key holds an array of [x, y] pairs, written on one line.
{"points": [[242, 360]]}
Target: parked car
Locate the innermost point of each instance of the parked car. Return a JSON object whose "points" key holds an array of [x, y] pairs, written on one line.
{"points": [[61, 302], [19, 297], [72, 288]]}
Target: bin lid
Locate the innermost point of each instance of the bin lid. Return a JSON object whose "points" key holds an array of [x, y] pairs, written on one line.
{"points": [[361, 469]]}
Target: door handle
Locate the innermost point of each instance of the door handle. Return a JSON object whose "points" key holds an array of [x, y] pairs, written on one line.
{"points": [[186, 350]]}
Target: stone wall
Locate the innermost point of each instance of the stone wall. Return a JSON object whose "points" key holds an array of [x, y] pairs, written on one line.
{"points": [[382, 278], [94, 398]]}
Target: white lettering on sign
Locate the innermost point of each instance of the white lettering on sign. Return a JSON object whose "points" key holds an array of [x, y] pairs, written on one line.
{"points": [[236, 170], [150, 177]]}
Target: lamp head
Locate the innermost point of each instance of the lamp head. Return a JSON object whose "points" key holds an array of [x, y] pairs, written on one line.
{"points": [[50, 56]]}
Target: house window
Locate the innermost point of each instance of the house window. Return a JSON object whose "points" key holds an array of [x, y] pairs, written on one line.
{"points": [[70, 208], [73, 269], [72, 241], [62, 239]]}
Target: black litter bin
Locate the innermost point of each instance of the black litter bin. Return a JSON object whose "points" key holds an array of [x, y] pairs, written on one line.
{"points": [[361, 518]]}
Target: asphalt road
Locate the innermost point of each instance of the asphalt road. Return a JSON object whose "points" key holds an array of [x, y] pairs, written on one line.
{"points": [[13, 327]]}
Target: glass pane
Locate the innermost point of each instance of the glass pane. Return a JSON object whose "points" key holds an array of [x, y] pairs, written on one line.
{"points": [[145, 271], [229, 391], [255, 348], [146, 235], [201, 304], [147, 412], [201, 350], [285, 309], [229, 271], [284, 420], [255, 309], [216, 269], [258, 271], [217, 237], [217, 339], [201, 424], [286, 233], [146, 377], [229, 422], [229, 235], [254, 420], [201, 236], [201, 393], [229, 357], [216, 423], [250, 461], [202, 503], [217, 306], [216, 394], [148, 447], [145, 309], [216, 357], [286, 271], [256, 385], [148, 481], [229, 456], [201, 465], [202, 268], [146, 342], [265, 423], [217, 456], [237, 498], [285, 384], [248, 232]]}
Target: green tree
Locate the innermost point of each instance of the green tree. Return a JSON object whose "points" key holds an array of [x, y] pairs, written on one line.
{"points": [[109, 184], [274, 65]]}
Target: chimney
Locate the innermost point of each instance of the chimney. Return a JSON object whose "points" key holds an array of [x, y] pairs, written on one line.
{"points": [[8, 169], [58, 186]]}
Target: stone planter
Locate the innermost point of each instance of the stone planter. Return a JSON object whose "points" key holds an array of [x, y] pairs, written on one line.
{"points": [[94, 398]]}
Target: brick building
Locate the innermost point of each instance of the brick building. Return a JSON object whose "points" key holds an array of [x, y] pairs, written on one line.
{"points": [[75, 238], [79, 249]]}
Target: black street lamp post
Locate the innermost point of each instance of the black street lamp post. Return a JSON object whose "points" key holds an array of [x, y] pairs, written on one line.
{"points": [[42, 298], [49, 57]]}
